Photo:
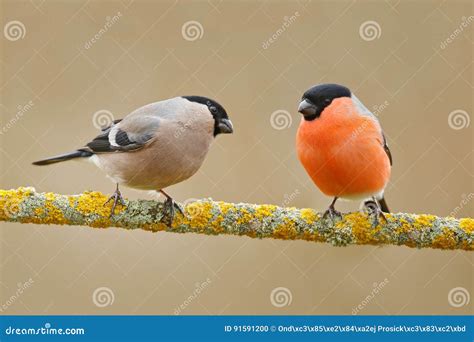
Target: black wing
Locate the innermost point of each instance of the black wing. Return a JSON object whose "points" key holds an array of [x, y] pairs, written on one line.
{"points": [[123, 141], [387, 150]]}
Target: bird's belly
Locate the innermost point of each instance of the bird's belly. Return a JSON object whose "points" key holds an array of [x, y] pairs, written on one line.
{"points": [[154, 168], [355, 168]]}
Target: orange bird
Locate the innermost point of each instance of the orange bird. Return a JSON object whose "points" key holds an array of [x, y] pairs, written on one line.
{"points": [[342, 147]]}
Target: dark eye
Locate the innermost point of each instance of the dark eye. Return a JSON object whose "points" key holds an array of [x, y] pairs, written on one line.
{"points": [[327, 101], [213, 109]]}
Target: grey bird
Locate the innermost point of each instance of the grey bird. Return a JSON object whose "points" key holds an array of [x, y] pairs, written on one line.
{"points": [[155, 146]]}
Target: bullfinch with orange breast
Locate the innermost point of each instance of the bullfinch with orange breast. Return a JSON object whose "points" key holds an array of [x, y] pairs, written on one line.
{"points": [[342, 147]]}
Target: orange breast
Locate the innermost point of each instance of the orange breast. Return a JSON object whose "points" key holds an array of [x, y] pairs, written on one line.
{"points": [[343, 153]]}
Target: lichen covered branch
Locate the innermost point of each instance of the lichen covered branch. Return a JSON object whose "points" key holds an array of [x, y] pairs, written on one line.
{"points": [[25, 205]]}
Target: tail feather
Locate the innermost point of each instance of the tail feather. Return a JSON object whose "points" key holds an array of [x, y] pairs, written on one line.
{"points": [[63, 157], [383, 205]]}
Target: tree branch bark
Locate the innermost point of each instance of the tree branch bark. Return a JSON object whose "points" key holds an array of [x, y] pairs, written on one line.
{"points": [[205, 216]]}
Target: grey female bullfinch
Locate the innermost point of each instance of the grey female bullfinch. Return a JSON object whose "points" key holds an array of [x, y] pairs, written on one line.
{"points": [[155, 146]]}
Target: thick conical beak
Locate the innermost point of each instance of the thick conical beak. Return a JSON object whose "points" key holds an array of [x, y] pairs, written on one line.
{"points": [[307, 108], [225, 126]]}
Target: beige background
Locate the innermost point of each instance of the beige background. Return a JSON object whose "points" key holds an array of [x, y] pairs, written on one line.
{"points": [[143, 57]]}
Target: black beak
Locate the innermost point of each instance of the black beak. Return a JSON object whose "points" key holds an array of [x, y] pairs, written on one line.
{"points": [[307, 108], [225, 126]]}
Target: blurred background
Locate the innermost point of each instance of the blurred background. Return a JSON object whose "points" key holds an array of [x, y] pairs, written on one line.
{"points": [[66, 66]]}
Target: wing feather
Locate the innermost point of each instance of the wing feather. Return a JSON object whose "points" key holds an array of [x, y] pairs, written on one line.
{"points": [[365, 111]]}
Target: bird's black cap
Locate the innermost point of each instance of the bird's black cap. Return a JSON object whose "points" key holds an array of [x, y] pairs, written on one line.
{"points": [[315, 99], [222, 124]]}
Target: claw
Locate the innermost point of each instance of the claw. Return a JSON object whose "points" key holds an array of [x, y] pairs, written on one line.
{"points": [[332, 212], [374, 210], [117, 197], [171, 206]]}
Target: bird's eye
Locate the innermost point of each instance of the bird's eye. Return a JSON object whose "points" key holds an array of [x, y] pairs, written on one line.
{"points": [[213, 109], [327, 101]]}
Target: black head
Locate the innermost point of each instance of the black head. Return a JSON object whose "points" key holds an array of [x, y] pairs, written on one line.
{"points": [[222, 124], [317, 98]]}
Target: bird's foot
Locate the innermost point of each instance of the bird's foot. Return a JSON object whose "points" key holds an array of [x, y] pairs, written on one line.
{"points": [[374, 210], [170, 206], [118, 199], [332, 213]]}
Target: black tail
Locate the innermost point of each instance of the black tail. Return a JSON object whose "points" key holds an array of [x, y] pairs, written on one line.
{"points": [[63, 157], [383, 205]]}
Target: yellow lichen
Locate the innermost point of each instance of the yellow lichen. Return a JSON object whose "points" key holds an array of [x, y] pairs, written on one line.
{"points": [[467, 224], [264, 211], [309, 215], [198, 215], [225, 207], [423, 221], [286, 230], [308, 236], [404, 226], [52, 214], [10, 201], [446, 240], [92, 203], [245, 217], [361, 228]]}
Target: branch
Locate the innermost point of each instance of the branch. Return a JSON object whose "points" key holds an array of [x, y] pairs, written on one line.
{"points": [[25, 205]]}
